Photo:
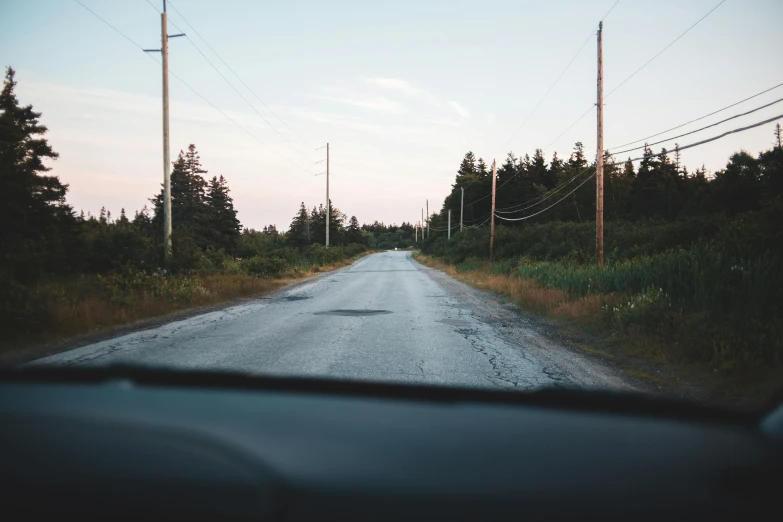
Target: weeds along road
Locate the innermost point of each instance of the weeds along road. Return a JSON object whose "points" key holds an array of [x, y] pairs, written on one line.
{"points": [[384, 318]]}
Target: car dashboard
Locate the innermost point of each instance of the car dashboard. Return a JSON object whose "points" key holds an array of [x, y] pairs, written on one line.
{"points": [[129, 444]]}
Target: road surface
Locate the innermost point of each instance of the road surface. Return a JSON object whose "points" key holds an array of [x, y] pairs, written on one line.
{"points": [[384, 318]]}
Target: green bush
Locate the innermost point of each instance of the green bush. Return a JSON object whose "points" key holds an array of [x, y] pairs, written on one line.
{"points": [[265, 266]]}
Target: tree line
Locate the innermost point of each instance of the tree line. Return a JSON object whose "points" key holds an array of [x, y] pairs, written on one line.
{"points": [[41, 234], [660, 187]]}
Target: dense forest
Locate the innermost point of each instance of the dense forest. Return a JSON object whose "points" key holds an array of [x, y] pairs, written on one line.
{"points": [[47, 246], [694, 262], [659, 188]]}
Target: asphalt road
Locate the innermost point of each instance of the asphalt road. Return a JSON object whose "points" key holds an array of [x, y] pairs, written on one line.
{"points": [[384, 318]]}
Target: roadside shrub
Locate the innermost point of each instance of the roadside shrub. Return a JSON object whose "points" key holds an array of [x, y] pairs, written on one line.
{"points": [[264, 266]]}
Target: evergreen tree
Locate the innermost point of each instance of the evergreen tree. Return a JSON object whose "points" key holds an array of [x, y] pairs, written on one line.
{"points": [[189, 212], [354, 232], [223, 227], [35, 221], [299, 232]]}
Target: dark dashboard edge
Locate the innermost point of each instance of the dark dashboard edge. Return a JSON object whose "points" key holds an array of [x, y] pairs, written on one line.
{"points": [[635, 404]]}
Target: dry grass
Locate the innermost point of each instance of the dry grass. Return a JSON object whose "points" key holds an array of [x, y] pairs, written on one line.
{"points": [[97, 311], [83, 305], [636, 347]]}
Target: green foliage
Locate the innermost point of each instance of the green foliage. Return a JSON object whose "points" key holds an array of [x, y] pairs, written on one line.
{"points": [[130, 285], [35, 222]]}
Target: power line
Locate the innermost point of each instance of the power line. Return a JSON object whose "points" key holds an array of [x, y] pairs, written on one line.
{"points": [[237, 75], [189, 87], [538, 200], [634, 74], [237, 91], [580, 118], [498, 188], [700, 118], [701, 129], [591, 176], [480, 224], [696, 144], [664, 49], [702, 142], [557, 80], [99, 17]]}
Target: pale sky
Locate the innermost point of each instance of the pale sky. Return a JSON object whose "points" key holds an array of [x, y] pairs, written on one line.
{"points": [[401, 90]]}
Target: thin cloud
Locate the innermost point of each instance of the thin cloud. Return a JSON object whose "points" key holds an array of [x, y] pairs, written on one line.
{"points": [[401, 86], [379, 104], [462, 111]]}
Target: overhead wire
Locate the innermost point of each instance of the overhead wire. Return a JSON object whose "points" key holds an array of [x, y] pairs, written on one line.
{"points": [[696, 144], [702, 142], [701, 129], [550, 206], [699, 118], [557, 80], [664, 49], [237, 75], [187, 85], [645, 64], [540, 199], [239, 93], [488, 195]]}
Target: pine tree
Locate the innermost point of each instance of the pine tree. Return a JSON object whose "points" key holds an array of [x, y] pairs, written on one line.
{"points": [[34, 218], [223, 228], [354, 232], [189, 212], [299, 231]]}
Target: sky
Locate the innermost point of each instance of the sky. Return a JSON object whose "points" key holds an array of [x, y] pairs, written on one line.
{"points": [[400, 89]]}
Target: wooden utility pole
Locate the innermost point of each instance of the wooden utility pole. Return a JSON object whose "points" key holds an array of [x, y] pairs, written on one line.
{"points": [[164, 51], [492, 222], [599, 161], [422, 224], [328, 203], [461, 208], [416, 228], [449, 235], [167, 251]]}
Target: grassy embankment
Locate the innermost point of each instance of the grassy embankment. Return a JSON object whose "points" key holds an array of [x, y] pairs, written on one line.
{"points": [[702, 297], [61, 308]]}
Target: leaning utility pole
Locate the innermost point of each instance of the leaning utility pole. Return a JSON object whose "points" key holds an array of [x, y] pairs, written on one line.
{"points": [[164, 50], [492, 223], [328, 203], [599, 161], [449, 224], [461, 208]]}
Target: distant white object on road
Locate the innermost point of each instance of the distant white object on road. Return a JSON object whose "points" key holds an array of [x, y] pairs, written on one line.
{"points": [[395, 248]]}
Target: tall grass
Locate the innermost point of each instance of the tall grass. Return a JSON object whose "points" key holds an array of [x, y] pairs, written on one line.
{"points": [[58, 307], [706, 289]]}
